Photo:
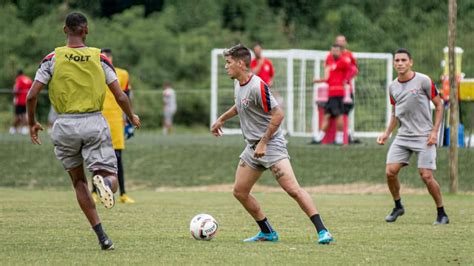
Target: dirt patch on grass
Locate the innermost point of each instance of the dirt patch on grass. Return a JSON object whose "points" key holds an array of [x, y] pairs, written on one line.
{"points": [[354, 188]]}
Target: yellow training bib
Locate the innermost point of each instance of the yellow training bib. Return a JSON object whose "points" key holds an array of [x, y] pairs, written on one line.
{"points": [[77, 83], [113, 113]]}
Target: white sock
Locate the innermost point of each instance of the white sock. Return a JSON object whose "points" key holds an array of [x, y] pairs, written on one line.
{"points": [[321, 135], [12, 130], [339, 137]]}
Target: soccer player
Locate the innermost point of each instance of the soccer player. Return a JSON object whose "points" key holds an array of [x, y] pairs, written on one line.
{"points": [[262, 66], [169, 107], [337, 80], [76, 75], [410, 96], [260, 119], [114, 116], [20, 90]]}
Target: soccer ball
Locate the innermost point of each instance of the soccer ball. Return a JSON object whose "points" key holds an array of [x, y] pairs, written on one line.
{"points": [[203, 227]]}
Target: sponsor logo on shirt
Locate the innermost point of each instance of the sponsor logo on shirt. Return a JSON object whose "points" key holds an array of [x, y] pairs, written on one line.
{"points": [[77, 58]]}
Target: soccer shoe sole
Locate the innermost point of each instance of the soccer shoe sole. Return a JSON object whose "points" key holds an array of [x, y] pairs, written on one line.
{"points": [[106, 195]]}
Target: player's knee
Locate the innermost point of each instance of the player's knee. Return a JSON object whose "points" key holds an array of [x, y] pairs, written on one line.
{"points": [[294, 192], [390, 173], [240, 194], [426, 176]]}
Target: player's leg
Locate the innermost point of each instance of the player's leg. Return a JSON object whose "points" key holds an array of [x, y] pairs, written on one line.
{"points": [[338, 111], [391, 171], [285, 176], [99, 157], [84, 198], [435, 192], [124, 198], [245, 179], [397, 157], [426, 165]]}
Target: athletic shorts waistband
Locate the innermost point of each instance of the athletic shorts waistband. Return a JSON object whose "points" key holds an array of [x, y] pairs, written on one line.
{"points": [[81, 115]]}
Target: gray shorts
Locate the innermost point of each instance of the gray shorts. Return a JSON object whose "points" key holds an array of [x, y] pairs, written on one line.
{"points": [[168, 116], [401, 150], [276, 152], [79, 138]]}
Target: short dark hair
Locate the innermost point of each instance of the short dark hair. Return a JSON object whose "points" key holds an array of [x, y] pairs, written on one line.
{"points": [[239, 52], [336, 46], [75, 21], [19, 72], [106, 51], [402, 51]]}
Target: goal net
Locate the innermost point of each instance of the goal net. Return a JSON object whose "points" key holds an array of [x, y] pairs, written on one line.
{"points": [[294, 90]]}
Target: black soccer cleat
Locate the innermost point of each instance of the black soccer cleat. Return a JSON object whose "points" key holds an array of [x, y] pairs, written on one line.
{"points": [[392, 217], [315, 142], [106, 244], [441, 220]]}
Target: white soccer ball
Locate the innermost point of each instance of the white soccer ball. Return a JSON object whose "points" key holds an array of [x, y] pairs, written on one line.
{"points": [[203, 227]]}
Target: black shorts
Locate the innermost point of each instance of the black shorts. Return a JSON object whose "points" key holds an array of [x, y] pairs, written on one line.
{"points": [[20, 109], [334, 106]]}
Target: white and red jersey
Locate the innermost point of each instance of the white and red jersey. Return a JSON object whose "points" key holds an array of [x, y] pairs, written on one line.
{"points": [[254, 102]]}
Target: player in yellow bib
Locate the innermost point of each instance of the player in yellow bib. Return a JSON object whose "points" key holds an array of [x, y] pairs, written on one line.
{"points": [[76, 75], [114, 116]]}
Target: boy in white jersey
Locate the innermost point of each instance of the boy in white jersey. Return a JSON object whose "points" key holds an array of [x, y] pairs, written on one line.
{"points": [[410, 95], [260, 119]]}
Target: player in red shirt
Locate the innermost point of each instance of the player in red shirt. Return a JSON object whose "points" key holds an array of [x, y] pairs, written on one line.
{"points": [[337, 80], [20, 90], [262, 66]]}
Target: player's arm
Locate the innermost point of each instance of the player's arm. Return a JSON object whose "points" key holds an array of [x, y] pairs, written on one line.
{"points": [[391, 126], [31, 102], [438, 103], [216, 127], [275, 122], [124, 103]]}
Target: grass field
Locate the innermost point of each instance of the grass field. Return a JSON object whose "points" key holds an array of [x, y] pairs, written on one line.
{"points": [[152, 160], [46, 227]]}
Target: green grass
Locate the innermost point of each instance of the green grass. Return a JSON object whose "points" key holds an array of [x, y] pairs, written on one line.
{"points": [[47, 227], [196, 158]]}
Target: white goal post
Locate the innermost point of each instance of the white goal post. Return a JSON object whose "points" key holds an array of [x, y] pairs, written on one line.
{"points": [[293, 87]]}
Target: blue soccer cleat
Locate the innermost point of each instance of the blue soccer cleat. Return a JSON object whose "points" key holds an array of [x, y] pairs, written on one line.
{"points": [[272, 237], [324, 237]]}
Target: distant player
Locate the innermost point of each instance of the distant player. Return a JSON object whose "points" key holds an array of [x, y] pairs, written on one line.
{"points": [[260, 119], [115, 119], [76, 75], [337, 81], [410, 95], [169, 107], [262, 66], [20, 90]]}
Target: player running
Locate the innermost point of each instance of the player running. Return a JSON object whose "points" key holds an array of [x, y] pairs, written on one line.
{"points": [[76, 74], [410, 96], [260, 119]]}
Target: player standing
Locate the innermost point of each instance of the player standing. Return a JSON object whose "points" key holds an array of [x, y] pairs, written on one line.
{"points": [[115, 119], [410, 96], [76, 75], [337, 81], [260, 119], [169, 107], [20, 90]]}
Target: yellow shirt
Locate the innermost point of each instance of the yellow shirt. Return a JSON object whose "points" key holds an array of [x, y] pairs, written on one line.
{"points": [[77, 84], [113, 113]]}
